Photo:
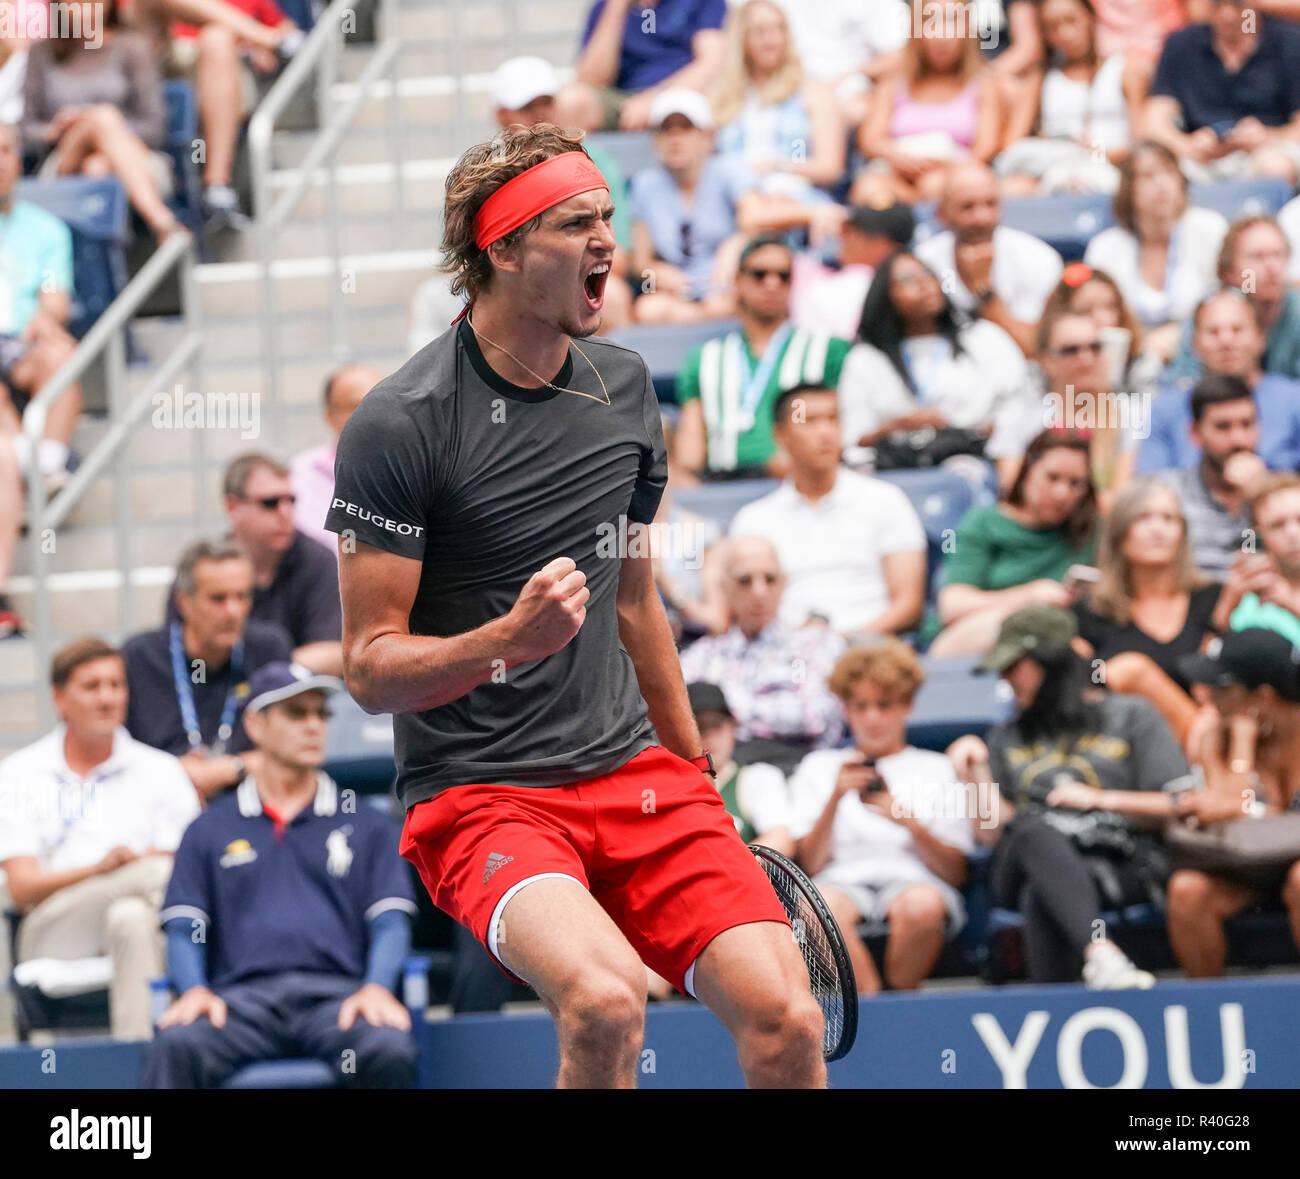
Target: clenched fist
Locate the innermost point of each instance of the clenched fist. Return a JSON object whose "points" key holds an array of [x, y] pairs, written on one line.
{"points": [[549, 611]]}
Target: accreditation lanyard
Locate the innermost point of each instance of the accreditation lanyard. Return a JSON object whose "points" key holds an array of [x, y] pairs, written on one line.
{"points": [[185, 695], [754, 381]]}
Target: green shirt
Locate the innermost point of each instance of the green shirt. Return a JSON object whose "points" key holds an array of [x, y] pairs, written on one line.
{"points": [[719, 372], [992, 552], [1251, 612], [613, 174], [728, 783]]}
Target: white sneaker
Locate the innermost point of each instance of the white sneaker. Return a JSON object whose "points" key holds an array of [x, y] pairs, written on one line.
{"points": [[1108, 968]]}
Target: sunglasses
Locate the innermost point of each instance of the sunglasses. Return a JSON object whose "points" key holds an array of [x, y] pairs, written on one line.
{"points": [[272, 502], [1071, 350], [759, 274]]}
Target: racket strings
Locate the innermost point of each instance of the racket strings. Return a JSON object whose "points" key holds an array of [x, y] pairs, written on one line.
{"points": [[818, 953]]}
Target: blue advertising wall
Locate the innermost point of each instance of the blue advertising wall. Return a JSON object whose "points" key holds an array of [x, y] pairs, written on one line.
{"points": [[1233, 1034]]}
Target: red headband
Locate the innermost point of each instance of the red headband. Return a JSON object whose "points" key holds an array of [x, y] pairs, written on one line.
{"points": [[534, 191]]}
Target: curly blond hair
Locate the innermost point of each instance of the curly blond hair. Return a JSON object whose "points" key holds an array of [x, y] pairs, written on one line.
{"points": [[890, 664], [478, 173]]}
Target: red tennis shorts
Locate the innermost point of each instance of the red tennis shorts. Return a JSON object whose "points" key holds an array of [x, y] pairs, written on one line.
{"points": [[652, 842]]}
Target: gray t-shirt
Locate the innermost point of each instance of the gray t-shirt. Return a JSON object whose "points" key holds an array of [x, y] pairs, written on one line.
{"points": [[485, 483], [1130, 748]]}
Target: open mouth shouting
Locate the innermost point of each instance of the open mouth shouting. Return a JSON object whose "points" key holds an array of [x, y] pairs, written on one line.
{"points": [[593, 285]]}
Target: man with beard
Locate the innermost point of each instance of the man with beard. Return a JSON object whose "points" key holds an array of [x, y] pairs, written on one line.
{"points": [[1263, 588], [1227, 339], [988, 270], [729, 385], [1215, 491]]}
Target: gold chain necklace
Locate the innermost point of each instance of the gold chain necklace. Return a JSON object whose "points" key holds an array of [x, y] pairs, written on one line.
{"points": [[558, 388]]}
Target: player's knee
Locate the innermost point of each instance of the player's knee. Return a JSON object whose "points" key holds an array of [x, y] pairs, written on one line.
{"points": [[785, 1028], [603, 1008]]}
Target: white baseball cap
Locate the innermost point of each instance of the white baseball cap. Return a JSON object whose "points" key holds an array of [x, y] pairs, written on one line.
{"points": [[681, 100], [520, 80]]}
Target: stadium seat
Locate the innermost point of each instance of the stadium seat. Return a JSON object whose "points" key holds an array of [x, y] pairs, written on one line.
{"points": [[359, 753], [721, 501], [56, 996], [182, 133], [632, 150], [301, 12], [954, 701], [96, 210], [664, 347], [1238, 198]]}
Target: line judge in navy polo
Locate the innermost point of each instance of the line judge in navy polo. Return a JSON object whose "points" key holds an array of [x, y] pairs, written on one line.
{"points": [[288, 915]]}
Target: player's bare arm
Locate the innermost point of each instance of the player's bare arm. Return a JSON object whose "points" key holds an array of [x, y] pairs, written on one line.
{"points": [[388, 669], [643, 629]]}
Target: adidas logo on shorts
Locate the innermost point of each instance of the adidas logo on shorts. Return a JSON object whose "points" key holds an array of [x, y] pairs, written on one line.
{"points": [[495, 860]]}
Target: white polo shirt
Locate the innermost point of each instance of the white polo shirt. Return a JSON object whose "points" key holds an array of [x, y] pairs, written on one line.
{"points": [[139, 798], [1025, 270], [832, 550]]}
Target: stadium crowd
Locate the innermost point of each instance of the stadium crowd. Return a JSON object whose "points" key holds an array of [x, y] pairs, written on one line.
{"points": [[831, 188]]}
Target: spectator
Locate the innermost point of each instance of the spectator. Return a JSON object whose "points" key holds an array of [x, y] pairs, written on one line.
{"points": [[36, 256], [1254, 260], [1081, 780], [1226, 96], [848, 47], [13, 69], [628, 59], [311, 472], [223, 69], [524, 91], [1162, 253], [728, 385], [1214, 491], [823, 299], [775, 671], [785, 126], [1137, 29], [852, 546], [1085, 291], [685, 210], [287, 917], [1072, 390], [295, 579], [1263, 588], [91, 818], [1016, 552], [1246, 749], [1082, 106], [938, 106], [755, 795], [189, 680], [883, 826], [1150, 606], [914, 366], [153, 20], [989, 270], [11, 513], [98, 110], [1227, 341]]}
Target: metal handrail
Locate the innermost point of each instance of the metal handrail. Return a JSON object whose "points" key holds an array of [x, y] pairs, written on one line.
{"points": [[107, 338], [318, 53]]}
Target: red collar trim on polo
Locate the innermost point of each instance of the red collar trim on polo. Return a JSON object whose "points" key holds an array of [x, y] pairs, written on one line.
{"points": [[542, 186]]}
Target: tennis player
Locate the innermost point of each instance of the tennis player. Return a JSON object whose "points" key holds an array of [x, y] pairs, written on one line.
{"points": [[558, 798]]}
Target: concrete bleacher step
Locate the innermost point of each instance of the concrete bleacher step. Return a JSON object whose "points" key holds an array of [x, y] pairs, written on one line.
{"points": [[375, 280], [375, 231]]}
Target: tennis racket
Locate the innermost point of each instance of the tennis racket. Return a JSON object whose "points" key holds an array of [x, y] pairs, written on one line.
{"points": [[822, 946]]}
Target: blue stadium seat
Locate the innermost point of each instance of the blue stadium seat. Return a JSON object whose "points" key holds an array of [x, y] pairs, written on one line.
{"points": [[182, 131], [632, 150], [941, 498], [664, 347], [1066, 222], [1237, 198], [359, 754], [954, 701], [722, 500], [96, 211], [300, 12]]}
